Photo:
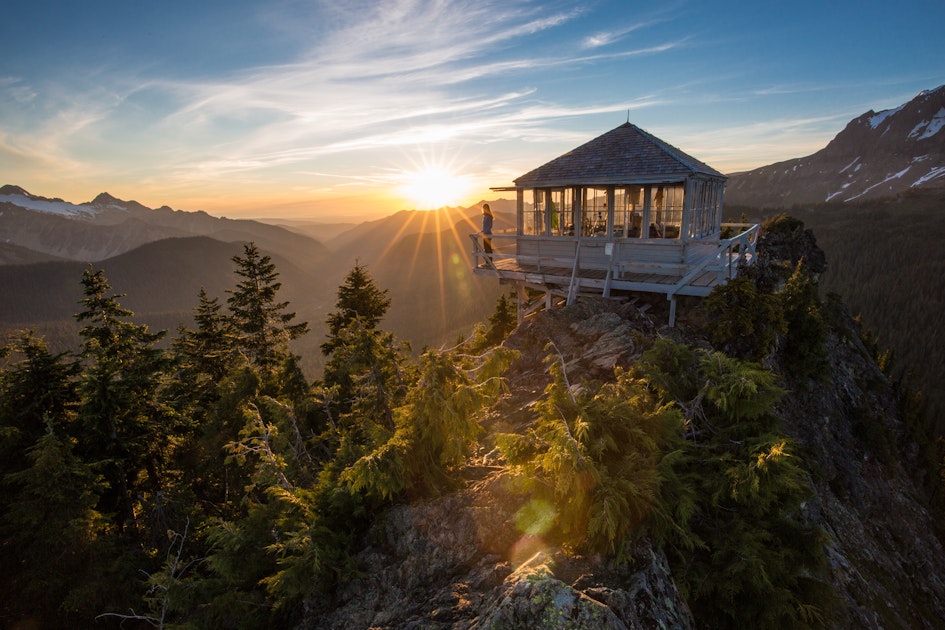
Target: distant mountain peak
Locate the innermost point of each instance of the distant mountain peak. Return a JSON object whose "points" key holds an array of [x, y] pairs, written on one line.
{"points": [[877, 154], [19, 196], [104, 199]]}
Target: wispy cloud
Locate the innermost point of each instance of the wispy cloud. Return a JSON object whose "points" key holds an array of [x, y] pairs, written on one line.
{"points": [[606, 38]]}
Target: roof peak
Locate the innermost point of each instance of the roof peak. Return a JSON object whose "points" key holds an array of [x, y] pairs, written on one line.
{"points": [[624, 154]]}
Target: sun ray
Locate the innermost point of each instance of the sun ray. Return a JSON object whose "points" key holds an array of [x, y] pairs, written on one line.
{"points": [[433, 186]]}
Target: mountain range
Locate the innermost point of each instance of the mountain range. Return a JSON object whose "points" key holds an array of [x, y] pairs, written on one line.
{"points": [[161, 258], [878, 154]]}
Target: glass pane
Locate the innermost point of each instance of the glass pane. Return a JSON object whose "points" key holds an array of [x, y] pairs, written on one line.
{"points": [[628, 211], [529, 224], [594, 215], [562, 212], [666, 206]]}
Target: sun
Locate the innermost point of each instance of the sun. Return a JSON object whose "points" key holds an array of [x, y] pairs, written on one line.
{"points": [[433, 187]]}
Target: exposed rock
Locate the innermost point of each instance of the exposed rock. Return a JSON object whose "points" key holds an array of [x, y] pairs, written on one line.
{"points": [[460, 561]]}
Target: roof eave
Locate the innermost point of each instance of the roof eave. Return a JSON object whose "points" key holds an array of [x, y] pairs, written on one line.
{"points": [[672, 178]]}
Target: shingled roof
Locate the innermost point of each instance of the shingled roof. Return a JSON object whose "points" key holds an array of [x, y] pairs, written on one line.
{"points": [[625, 155]]}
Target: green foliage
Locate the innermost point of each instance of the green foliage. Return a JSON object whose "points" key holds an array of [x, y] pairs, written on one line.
{"points": [[502, 321], [366, 375], [435, 426], [359, 299], [263, 325], [898, 304], [125, 425], [595, 454], [745, 556], [49, 528], [743, 321], [804, 353], [37, 394]]}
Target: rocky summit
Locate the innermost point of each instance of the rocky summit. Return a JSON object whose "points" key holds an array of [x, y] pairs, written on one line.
{"points": [[464, 559]]}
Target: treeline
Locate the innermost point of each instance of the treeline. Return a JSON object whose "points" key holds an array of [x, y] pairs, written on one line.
{"points": [[205, 481]]}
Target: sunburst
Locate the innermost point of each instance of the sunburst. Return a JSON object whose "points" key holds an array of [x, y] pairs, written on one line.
{"points": [[433, 187]]}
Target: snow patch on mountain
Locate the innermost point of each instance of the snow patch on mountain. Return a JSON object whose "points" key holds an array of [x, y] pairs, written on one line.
{"points": [[936, 172], [50, 206], [935, 125], [877, 119], [855, 160], [889, 178]]}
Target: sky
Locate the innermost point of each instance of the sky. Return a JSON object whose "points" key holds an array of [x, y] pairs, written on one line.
{"points": [[336, 110]]}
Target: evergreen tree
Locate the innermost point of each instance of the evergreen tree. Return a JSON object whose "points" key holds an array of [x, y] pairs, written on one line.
{"points": [[365, 377], [365, 368], [209, 352], [745, 556], [205, 360], [804, 352], [502, 321], [359, 298], [123, 424], [37, 394], [595, 455], [55, 568], [743, 321], [262, 323], [433, 428]]}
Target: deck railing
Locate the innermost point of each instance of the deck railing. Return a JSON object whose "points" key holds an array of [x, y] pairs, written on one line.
{"points": [[503, 247], [727, 255], [740, 248]]}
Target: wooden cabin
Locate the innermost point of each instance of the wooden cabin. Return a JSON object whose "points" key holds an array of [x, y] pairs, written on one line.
{"points": [[621, 214]]}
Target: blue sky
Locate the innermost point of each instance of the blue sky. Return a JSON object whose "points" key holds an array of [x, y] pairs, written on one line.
{"points": [[339, 110]]}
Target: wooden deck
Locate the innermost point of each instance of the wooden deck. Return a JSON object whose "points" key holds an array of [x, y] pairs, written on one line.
{"points": [[671, 268]]}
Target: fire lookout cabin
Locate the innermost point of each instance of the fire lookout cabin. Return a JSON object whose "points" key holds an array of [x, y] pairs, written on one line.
{"points": [[622, 214]]}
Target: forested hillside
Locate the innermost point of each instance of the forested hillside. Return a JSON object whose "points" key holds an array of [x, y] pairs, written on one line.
{"points": [[421, 257], [199, 479], [885, 258]]}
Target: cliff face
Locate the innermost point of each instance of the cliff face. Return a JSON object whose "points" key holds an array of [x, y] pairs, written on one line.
{"points": [[461, 561], [886, 561]]}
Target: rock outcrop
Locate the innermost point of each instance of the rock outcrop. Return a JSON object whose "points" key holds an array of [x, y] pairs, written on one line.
{"points": [[461, 560]]}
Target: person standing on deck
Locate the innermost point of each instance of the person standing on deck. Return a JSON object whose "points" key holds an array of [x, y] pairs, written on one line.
{"points": [[487, 228]]}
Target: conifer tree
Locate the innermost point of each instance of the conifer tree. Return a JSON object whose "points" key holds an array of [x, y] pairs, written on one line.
{"points": [[124, 425], [595, 455], [804, 351], [365, 368], [502, 321], [54, 566], [743, 321], [263, 325], [205, 360], [745, 556], [359, 298], [37, 394], [209, 352]]}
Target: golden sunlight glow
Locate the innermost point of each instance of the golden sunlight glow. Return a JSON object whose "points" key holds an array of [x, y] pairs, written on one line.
{"points": [[433, 187]]}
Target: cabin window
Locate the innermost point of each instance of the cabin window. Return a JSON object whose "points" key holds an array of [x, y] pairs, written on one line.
{"points": [[533, 213], [561, 210], [666, 206], [705, 208], [628, 211], [594, 212]]}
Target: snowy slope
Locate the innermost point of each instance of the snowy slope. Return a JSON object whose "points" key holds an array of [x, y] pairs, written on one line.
{"points": [[878, 154]]}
